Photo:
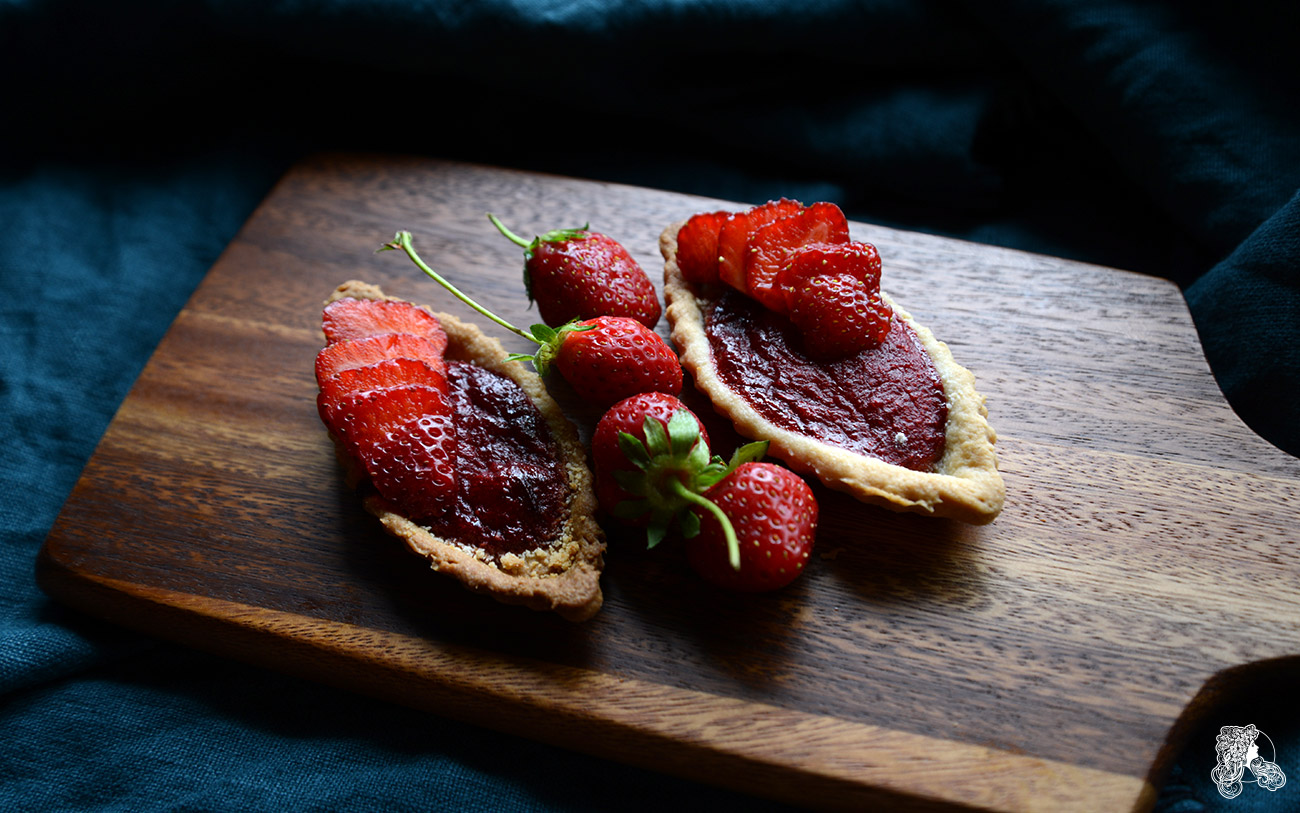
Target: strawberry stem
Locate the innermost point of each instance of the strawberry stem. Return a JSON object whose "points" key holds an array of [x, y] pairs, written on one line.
{"points": [[728, 531], [511, 236], [403, 241], [548, 339]]}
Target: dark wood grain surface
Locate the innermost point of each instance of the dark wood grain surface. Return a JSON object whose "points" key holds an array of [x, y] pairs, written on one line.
{"points": [[1050, 661]]}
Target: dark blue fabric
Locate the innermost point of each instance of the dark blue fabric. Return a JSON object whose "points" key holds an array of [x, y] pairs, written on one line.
{"points": [[1153, 136]]}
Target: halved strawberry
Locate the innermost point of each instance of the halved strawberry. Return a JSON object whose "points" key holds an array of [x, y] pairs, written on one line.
{"points": [[832, 294], [349, 318], [855, 258], [405, 437], [697, 247], [735, 233], [838, 315], [769, 247], [352, 353], [382, 375]]}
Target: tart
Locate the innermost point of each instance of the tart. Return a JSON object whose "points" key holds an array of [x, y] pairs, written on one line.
{"points": [[521, 525], [946, 467]]}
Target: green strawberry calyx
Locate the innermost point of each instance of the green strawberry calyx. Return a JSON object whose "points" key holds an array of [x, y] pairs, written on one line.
{"points": [[547, 338], [673, 470]]}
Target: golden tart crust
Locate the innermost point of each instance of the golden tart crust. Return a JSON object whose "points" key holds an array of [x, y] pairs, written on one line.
{"points": [[562, 576], [965, 484]]}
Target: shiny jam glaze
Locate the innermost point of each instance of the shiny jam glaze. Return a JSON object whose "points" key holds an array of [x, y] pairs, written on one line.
{"points": [[512, 483], [886, 402]]}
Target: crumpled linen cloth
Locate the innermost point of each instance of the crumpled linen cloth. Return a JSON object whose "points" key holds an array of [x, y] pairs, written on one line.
{"points": [[139, 135]]}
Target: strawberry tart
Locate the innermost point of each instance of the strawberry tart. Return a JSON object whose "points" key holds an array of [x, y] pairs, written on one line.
{"points": [[780, 320], [460, 452]]}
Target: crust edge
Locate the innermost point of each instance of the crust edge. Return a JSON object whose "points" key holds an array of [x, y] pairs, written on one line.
{"points": [[966, 486], [565, 578]]}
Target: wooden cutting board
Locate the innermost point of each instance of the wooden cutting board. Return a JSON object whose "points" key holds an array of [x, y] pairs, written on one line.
{"points": [[1146, 559]]}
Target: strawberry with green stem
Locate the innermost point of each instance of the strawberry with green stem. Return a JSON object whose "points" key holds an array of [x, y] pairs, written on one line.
{"points": [[661, 467], [606, 358], [759, 520], [774, 515], [580, 274]]}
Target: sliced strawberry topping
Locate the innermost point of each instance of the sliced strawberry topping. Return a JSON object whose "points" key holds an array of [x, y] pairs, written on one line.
{"points": [[832, 294], [769, 247], [697, 247], [735, 232], [855, 258], [352, 353], [349, 318], [838, 315], [381, 375], [405, 437]]}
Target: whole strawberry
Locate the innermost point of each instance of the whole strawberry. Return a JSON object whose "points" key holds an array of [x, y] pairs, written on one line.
{"points": [[629, 416], [610, 358], [580, 274], [605, 359], [653, 465], [654, 468], [773, 516]]}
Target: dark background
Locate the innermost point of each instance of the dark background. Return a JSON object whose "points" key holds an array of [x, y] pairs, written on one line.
{"points": [[1159, 137]]}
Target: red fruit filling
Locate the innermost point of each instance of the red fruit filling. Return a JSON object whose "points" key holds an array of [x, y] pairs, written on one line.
{"points": [[512, 484], [885, 402]]}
